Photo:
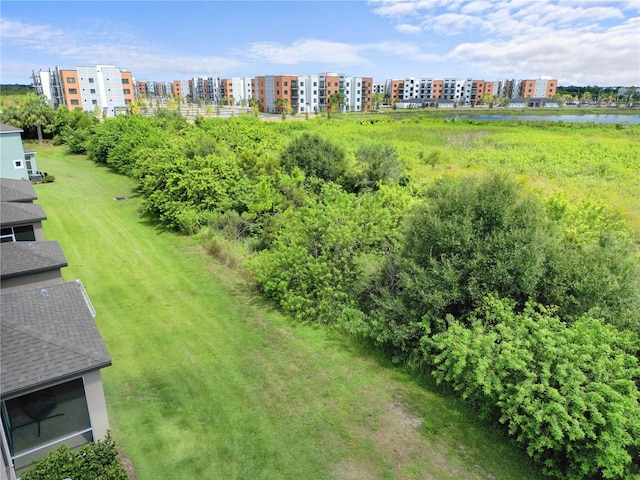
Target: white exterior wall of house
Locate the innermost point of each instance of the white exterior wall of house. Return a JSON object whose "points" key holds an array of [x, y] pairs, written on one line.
{"points": [[96, 404]]}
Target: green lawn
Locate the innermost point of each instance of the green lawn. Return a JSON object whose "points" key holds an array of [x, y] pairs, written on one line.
{"points": [[209, 383]]}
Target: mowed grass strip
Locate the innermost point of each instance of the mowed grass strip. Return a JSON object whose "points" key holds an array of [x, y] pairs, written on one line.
{"points": [[209, 383]]}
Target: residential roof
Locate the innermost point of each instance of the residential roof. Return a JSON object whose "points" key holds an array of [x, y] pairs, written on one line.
{"points": [[12, 190], [47, 335], [25, 258], [15, 213], [9, 128]]}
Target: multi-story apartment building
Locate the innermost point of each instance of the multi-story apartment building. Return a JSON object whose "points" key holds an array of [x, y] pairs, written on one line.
{"points": [[311, 93], [466, 91], [238, 90], [205, 89], [101, 88]]}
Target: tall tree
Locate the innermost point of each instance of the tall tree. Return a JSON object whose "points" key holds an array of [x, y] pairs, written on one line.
{"points": [[336, 100]]}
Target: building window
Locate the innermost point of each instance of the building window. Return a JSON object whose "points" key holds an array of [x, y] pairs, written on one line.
{"points": [[125, 81], [75, 102], [127, 101], [302, 84], [126, 91], [286, 92], [285, 84], [24, 233], [93, 90], [315, 84], [71, 80], [277, 92], [73, 91], [277, 84], [17, 164], [94, 102], [91, 80], [68, 418]]}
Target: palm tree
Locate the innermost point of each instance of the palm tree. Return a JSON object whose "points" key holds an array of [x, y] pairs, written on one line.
{"points": [[36, 113]]}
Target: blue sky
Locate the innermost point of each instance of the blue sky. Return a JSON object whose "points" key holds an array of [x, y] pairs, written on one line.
{"points": [[581, 42]]}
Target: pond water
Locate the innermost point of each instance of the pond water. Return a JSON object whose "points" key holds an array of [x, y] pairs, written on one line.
{"points": [[595, 118]]}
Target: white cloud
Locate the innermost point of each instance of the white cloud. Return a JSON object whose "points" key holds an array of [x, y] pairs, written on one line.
{"points": [[106, 44], [573, 58], [407, 28], [308, 50], [573, 40]]}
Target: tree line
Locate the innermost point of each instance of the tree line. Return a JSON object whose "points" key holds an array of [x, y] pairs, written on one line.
{"points": [[527, 306]]}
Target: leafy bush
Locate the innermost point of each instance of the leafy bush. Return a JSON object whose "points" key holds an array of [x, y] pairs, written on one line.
{"points": [[93, 461], [565, 392], [316, 157]]}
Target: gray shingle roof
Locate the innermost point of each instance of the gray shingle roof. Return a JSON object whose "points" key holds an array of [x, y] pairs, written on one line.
{"points": [[16, 213], [47, 335], [4, 128], [24, 258], [16, 190]]}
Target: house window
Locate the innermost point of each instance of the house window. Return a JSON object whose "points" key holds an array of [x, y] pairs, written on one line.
{"points": [[37, 420], [17, 164], [75, 102], [71, 80], [24, 233]]}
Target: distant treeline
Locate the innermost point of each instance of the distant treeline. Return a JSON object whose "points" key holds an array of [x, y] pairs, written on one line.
{"points": [[15, 89]]}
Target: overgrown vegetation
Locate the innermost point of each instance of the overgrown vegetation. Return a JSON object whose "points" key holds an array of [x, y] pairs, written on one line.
{"points": [[467, 249]]}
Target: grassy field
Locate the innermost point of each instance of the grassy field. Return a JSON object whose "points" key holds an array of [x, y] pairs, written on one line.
{"points": [[207, 382]]}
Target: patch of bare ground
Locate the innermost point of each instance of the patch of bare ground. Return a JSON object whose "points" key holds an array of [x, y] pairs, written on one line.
{"points": [[127, 465], [406, 453]]}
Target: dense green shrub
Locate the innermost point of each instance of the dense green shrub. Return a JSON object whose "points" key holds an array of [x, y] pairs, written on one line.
{"points": [[93, 461], [316, 157], [322, 251], [565, 392]]}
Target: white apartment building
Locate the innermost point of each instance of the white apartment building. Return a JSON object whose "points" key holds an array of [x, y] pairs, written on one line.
{"points": [[104, 89], [101, 86]]}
